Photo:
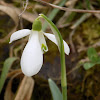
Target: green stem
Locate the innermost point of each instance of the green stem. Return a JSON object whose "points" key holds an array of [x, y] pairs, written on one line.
{"points": [[62, 56], [63, 75]]}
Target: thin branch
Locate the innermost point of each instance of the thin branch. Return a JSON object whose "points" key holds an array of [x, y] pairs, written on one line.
{"points": [[24, 8], [71, 41], [68, 9]]}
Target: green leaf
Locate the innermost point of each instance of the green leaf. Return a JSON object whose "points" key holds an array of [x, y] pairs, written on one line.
{"points": [[87, 66], [92, 54], [7, 64], [98, 62], [56, 94]]}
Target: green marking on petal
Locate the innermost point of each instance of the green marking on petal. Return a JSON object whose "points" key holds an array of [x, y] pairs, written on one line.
{"points": [[44, 48]]}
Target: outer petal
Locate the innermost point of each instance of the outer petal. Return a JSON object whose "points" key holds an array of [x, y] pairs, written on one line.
{"points": [[32, 57], [19, 34], [43, 42], [53, 39]]}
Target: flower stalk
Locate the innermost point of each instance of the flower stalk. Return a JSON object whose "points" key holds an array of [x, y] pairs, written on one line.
{"points": [[63, 75], [62, 56]]}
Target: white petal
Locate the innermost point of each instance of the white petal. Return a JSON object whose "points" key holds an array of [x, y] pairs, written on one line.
{"points": [[32, 57], [19, 34], [43, 42], [53, 39], [66, 48]]}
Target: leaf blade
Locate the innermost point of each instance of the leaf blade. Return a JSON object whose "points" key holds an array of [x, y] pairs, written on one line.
{"points": [[87, 66], [92, 54], [7, 64], [56, 94]]}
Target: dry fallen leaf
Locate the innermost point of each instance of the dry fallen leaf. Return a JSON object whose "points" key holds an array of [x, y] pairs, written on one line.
{"points": [[25, 89], [12, 13], [26, 15], [9, 95], [12, 73]]}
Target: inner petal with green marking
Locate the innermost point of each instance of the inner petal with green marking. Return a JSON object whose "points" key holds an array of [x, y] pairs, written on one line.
{"points": [[44, 48]]}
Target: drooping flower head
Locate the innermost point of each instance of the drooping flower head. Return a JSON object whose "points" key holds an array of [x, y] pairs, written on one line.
{"points": [[32, 56]]}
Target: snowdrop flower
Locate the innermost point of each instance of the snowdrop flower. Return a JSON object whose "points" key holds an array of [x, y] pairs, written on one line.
{"points": [[32, 56]]}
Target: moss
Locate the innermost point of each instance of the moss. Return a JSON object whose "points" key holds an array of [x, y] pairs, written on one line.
{"points": [[91, 30], [87, 33]]}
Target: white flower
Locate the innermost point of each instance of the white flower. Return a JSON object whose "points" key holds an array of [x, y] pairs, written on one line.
{"points": [[32, 57]]}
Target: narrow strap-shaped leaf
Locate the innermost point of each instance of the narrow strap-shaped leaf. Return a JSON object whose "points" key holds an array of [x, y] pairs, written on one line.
{"points": [[7, 64], [56, 94]]}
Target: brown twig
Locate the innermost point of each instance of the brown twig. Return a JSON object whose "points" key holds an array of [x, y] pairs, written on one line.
{"points": [[26, 15], [97, 44], [68, 9], [24, 8], [71, 41], [70, 4]]}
